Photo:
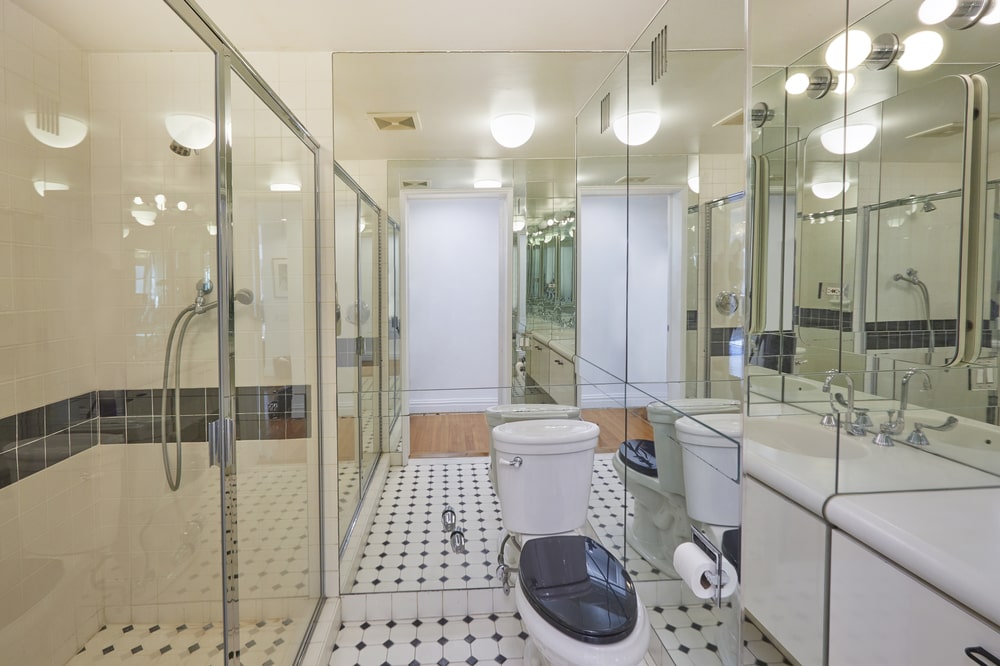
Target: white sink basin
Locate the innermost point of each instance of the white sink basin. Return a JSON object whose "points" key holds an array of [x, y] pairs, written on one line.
{"points": [[802, 439]]}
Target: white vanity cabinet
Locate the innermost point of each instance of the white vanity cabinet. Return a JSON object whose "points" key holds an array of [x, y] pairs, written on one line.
{"points": [[538, 363], [784, 571], [552, 370], [880, 614]]}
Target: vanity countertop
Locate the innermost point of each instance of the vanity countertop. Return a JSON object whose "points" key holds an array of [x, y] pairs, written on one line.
{"points": [[810, 480], [948, 538]]}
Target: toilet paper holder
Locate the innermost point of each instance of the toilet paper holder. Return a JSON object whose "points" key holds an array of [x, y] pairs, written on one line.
{"points": [[718, 577]]}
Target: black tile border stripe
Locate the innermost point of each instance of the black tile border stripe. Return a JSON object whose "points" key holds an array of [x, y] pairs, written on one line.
{"points": [[41, 437]]}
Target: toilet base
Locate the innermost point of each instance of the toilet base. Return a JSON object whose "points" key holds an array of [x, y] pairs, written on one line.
{"points": [[547, 646], [656, 534]]}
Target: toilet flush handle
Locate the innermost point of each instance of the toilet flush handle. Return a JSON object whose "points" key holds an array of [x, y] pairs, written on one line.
{"points": [[516, 462]]}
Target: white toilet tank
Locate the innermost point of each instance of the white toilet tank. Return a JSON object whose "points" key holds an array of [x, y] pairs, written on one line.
{"points": [[668, 450], [712, 467], [548, 491], [501, 414]]}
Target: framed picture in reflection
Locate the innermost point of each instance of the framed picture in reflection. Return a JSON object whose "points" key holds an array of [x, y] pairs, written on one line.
{"points": [[279, 266]]}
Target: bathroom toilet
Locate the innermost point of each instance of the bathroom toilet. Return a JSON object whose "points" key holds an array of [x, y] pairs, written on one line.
{"points": [[711, 470], [501, 414], [578, 605], [544, 469], [653, 474]]}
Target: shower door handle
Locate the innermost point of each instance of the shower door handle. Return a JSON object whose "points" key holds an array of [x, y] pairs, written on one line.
{"points": [[221, 443]]}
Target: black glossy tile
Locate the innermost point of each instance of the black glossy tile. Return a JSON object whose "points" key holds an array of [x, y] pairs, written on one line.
{"points": [[138, 402], [8, 468], [83, 436], [56, 448], [112, 403], [30, 458], [30, 425], [142, 429], [8, 433], [112, 430], [82, 408], [248, 426], [193, 429], [250, 400], [212, 400], [193, 401], [56, 417]]}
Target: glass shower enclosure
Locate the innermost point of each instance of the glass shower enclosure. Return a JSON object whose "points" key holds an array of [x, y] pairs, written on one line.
{"points": [[159, 439]]}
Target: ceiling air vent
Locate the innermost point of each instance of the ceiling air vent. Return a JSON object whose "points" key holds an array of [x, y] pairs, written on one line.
{"points": [[415, 184], [394, 122], [632, 180]]}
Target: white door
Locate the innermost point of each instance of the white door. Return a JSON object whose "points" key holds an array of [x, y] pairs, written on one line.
{"points": [[457, 325]]}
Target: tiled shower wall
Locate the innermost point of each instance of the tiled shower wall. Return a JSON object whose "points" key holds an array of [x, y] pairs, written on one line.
{"points": [[49, 548]]}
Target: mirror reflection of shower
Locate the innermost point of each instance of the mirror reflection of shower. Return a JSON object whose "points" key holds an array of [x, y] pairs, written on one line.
{"points": [[912, 278], [203, 288]]}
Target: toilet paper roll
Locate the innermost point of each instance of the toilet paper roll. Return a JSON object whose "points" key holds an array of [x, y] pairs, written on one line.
{"points": [[692, 565]]}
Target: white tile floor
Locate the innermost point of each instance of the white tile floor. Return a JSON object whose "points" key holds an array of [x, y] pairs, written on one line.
{"points": [[264, 643], [492, 639], [407, 548]]}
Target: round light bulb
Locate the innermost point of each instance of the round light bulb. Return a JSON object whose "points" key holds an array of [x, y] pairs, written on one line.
{"points": [[992, 17], [694, 182], [637, 128], [182, 206], [513, 129], [845, 81], [932, 12], [848, 50], [850, 139], [920, 50], [191, 131], [797, 83]]}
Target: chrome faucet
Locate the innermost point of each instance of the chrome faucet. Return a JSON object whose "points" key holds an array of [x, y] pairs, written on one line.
{"points": [[850, 427], [897, 417]]}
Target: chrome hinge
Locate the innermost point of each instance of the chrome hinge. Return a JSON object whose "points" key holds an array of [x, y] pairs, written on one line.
{"points": [[221, 442]]}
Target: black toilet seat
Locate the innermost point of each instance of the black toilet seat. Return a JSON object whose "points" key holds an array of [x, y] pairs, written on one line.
{"points": [[639, 455], [579, 588]]}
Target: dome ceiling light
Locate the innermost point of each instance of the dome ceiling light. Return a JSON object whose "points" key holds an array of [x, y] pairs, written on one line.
{"points": [[512, 130], [830, 189], [850, 139], [189, 132], [55, 130], [637, 127]]}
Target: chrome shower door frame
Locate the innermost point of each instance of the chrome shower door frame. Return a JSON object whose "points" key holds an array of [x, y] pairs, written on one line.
{"points": [[229, 61]]}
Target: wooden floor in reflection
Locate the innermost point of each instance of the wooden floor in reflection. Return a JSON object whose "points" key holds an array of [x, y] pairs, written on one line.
{"points": [[466, 434]]}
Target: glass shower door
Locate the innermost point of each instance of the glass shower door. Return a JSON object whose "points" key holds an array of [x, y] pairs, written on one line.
{"points": [[273, 351]]}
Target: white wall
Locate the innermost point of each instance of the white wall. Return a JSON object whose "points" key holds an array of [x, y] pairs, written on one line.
{"points": [[457, 300]]}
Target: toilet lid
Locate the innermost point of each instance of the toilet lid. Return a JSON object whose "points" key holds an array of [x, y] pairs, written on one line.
{"points": [[579, 588], [639, 455]]}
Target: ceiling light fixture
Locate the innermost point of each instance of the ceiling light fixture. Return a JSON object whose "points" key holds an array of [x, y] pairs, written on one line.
{"points": [[55, 130], [830, 189], [637, 127], [848, 50], [146, 218], [512, 129], [43, 186], [189, 132], [850, 139]]}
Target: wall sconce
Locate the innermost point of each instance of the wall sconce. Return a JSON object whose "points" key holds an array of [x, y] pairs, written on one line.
{"points": [[918, 51], [486, 184], [286, 187], [959, 14], [512, 129], [43, 186], [146, 218], [830, 189]]}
